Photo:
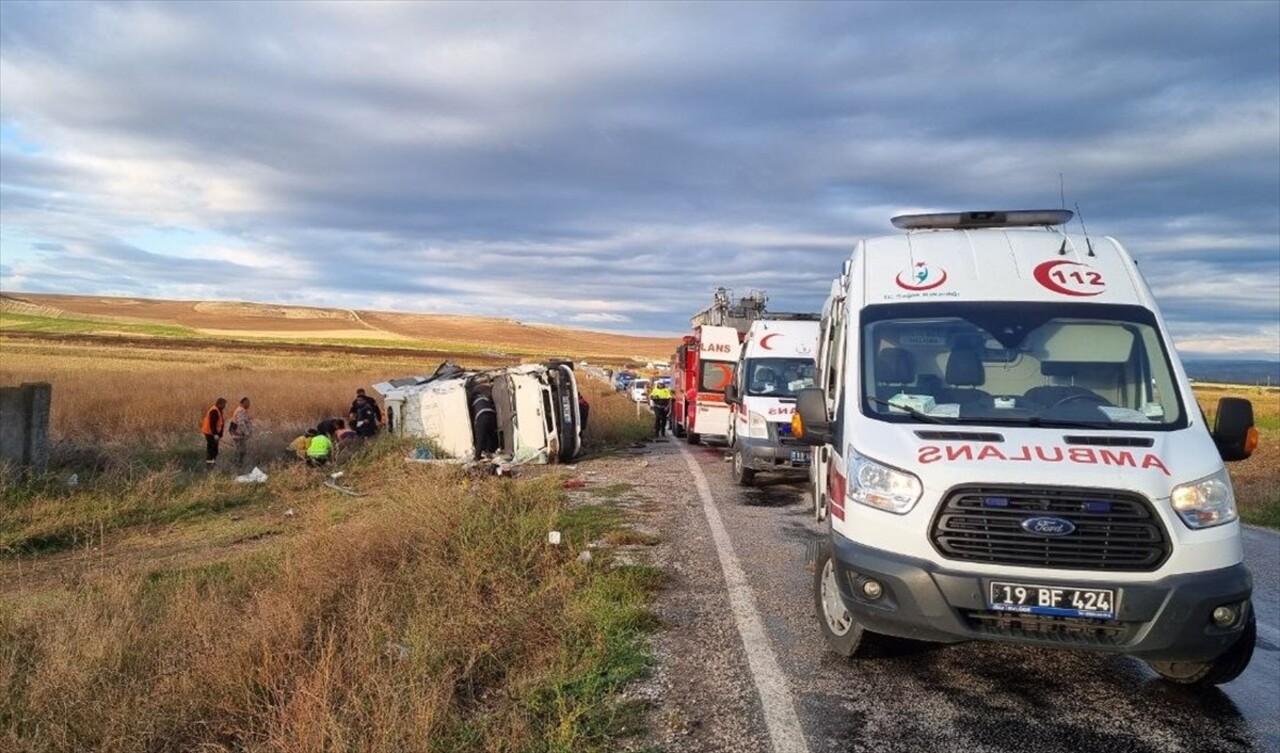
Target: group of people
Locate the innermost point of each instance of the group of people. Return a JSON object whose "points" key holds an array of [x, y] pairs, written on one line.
{"points": [[214, 424], [317, 446]]}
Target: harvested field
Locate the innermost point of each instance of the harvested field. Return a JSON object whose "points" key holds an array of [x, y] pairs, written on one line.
{"points": [[93, 315]]}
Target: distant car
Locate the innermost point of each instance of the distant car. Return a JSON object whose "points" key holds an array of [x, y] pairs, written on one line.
{"points": [[623, 381], [663, 382], [639, 390]]}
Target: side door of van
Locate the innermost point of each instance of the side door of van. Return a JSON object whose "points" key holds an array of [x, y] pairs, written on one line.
{"points": [[830, 377]]}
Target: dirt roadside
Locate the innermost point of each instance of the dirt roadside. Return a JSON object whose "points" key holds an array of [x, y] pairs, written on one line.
{"points": [[700, 697]]}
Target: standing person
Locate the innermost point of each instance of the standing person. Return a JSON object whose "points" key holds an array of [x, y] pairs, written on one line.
{"points": [[211, 427], [241, 428], [660, 401]]}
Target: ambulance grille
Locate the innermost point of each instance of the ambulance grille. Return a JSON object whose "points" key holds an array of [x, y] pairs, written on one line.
{"points": [[1113, 531]]}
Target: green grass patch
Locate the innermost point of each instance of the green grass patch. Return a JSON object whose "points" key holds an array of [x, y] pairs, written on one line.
{"points": [[588, 523], [66, 326], [1269, 422], [604, 647], [612, 491], [1266, 515]]}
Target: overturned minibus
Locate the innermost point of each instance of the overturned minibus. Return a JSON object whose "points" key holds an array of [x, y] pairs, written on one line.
{"points": [[536, 404]]}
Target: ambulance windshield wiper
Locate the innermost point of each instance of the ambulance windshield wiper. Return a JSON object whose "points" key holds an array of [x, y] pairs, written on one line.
{"points": [[1038, 422], [909, 411]]}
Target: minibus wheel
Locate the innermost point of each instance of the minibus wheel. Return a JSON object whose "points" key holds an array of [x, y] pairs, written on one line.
{"points": [[741, 473], [692, 437], [1223, 669], [842, 634]]}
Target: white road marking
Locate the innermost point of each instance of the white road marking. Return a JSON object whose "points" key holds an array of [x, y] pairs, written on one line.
{"points": [[771, 684]]}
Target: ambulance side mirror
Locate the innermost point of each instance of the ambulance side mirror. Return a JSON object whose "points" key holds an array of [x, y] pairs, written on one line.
{"points": [[1233, 429], [731, 394], [810, 424]]}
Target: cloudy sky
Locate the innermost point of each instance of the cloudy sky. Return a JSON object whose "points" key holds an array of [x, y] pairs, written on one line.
{"points": [[609, 164]]}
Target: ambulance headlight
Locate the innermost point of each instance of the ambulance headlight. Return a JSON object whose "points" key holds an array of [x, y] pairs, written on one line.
{"points": [[884, 488], [757, 426], [1205, 503]]}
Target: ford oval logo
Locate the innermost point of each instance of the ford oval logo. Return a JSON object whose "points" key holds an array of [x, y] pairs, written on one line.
{"points": [[1048, 526]]}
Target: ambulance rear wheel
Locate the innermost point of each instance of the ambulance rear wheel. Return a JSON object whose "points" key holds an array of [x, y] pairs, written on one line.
{"points": [[741, 473], [842, 634], [1223, 669]]}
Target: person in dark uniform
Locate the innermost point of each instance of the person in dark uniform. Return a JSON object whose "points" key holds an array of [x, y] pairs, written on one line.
{"points": [[365, 415], [484, 424]]}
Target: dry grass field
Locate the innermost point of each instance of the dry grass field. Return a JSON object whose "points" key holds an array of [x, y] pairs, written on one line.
{"points": [[1256, 480], [155, 607], [232, 321]]}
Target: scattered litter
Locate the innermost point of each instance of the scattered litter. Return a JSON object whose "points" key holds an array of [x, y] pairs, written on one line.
{"points": [[255, 476], [728, 458], [590, 473], [344, 489], [73, 480], [505, 469], [643, 464], [337, 475], [393, 650], [574, 483], [571, 467], [422, 453], [235, 516], [288, 513], [584, 556], [553, 538]]}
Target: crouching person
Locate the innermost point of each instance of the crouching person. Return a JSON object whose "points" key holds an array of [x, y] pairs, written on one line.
{"points": [[301, 444], [319, 450]]}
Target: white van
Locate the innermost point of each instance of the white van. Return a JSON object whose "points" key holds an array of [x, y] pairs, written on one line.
{"points": [[776, 362], [639, 390], [1010, 450]]}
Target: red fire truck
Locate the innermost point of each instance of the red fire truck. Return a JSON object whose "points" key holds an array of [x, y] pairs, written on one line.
{"points": [[704, 365]]}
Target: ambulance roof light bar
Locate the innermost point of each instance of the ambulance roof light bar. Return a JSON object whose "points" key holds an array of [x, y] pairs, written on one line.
{"points": [[971, 220]]}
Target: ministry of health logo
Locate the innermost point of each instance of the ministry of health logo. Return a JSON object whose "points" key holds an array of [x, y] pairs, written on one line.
{"points": [[921, 277]]}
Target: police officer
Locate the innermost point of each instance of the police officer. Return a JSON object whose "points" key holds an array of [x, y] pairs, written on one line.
{"points": [[660, 402]]}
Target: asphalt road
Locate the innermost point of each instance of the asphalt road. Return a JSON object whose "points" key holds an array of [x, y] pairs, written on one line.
{"points": [[978, 697]]}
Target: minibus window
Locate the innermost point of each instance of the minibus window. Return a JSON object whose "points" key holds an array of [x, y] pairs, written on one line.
{"points": [[1043, 364]]}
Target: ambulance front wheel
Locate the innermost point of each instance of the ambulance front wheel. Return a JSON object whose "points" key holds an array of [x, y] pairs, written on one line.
{"points": [[743, 474], [1223, 669], [842, 634]]}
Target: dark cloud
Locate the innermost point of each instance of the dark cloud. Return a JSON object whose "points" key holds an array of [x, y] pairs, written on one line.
{"points": [[614, 163]]}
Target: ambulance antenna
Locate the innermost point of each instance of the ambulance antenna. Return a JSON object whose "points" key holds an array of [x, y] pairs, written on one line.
{"points": [[1062, 192], [1087, 242]]}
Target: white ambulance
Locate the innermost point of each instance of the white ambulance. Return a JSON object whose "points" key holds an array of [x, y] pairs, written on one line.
{"points": [[776, 362], [1009, 449]]}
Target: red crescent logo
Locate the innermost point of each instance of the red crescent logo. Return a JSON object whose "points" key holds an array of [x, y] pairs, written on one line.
{"points": [[928, 286], [1070, 278], [764, 341]]}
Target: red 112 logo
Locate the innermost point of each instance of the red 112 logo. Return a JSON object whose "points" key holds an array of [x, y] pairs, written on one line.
{"points": [[1070, 278]]}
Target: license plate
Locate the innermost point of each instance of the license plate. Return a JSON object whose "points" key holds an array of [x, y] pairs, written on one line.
{"points": [[1053, 600], [800, 457]]}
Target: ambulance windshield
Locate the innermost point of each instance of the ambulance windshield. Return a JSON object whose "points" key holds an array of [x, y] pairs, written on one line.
{"points": [[1042, 364], [778, 377]]}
